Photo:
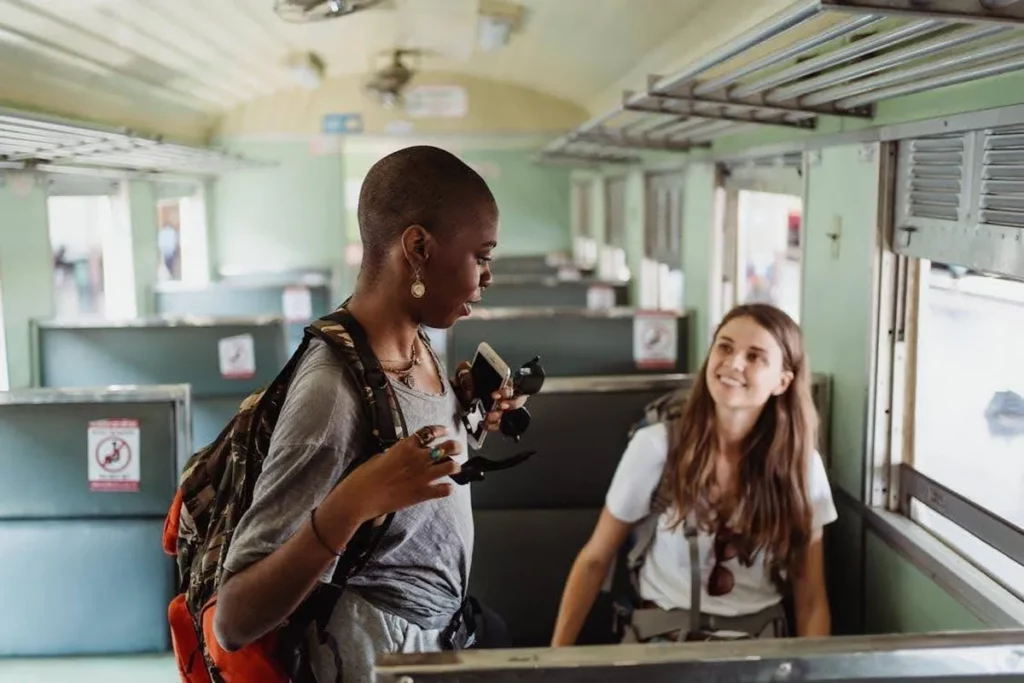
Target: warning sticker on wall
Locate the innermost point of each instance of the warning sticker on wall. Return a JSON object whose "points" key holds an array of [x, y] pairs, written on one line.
{"points": [[654, 340], [114, 456], [297, 303], [237, 357]]}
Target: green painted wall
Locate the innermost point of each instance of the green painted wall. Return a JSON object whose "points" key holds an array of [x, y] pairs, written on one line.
{"points": [[26, 269], [533, 199], [904, 600], [698, 249], [302, 212], [280, 217], [838, 293], [142, 213]]}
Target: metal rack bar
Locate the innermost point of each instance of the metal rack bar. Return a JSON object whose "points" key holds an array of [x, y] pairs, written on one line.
{"points": [[930, 44], [756, 113], [606, 138], [973, 11], [936, 82], [778, 24], [28, 141], [843, 29], [602, 158], [885, 61], [930, 68], [865, 46]]}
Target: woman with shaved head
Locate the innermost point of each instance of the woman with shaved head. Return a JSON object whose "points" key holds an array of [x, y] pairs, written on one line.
{"points": [[428, 224]]}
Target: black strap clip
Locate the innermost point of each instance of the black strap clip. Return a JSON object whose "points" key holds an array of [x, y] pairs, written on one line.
{"points": [[476, 467]]}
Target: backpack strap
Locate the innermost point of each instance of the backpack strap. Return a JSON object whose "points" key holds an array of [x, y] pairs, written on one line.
{"points": [[690, 530], [346, 337]]}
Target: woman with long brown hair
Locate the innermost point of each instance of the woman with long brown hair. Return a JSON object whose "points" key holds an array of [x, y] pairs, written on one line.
{"points": [[727, 502]]}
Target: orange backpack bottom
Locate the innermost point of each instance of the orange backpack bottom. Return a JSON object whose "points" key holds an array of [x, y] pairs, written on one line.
{"points": [[254, 663]]}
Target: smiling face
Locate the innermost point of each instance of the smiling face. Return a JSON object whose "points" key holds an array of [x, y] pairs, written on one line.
{"points": [[457, 268], [745, 366]]}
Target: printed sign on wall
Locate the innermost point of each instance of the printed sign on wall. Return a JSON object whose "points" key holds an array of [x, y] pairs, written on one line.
{"points": [[114, 456], [297, 304], [436, 101], [237, 357], [600, 297], [654, 340]]}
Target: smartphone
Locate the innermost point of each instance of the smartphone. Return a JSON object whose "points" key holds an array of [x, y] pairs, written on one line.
{"points": [[490, 374]]}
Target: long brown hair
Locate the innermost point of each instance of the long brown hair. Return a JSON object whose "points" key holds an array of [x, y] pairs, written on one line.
{"points": [[774, 513]]}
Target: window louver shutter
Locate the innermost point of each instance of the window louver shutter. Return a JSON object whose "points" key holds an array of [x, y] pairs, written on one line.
{"points": [[960, 200], [1002, 178], [935, 184]]}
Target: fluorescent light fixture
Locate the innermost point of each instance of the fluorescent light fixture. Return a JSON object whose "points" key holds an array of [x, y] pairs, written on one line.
{"points": [[493, 32]]}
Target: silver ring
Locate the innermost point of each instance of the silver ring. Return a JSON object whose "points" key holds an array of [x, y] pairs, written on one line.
{"points": [[425, 436], [436, 454]]}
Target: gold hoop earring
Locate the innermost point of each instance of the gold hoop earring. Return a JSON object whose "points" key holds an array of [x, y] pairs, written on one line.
{"points": [[418, 288]]}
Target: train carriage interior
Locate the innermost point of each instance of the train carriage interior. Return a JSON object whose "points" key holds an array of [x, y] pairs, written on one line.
{"points": [[179, 198]]}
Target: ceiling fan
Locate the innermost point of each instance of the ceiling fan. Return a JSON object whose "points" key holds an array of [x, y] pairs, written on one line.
{"points": [[306, 11], [386, 83]]}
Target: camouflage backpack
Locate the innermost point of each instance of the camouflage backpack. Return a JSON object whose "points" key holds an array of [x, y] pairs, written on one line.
{"points": [[216, 489]]}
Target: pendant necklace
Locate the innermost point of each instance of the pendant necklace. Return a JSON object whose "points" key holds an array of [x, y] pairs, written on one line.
{"points": [[403, 373]]}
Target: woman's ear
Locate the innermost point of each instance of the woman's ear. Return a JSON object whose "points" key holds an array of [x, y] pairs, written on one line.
{"points": [[784, 382], [416, 245]]}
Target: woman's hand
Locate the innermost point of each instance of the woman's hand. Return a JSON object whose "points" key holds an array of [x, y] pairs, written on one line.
{"points": [[408, 473], [503, 400]]}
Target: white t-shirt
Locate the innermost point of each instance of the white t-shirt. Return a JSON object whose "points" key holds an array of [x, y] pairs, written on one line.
{"points": [[665, 576]]}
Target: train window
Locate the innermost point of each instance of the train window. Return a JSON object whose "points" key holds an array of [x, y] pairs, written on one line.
{"points": [[661, 269], [582, 199], [768, 244], [78, 225], [968, 406], [182, 240], [169, 239], [615, 212]]}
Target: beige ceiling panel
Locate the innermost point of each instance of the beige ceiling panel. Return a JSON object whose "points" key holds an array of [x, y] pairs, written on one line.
{"points": [[242, 39], [23, 18], [75, 99], [494, 108], [149, 50], [207, 43], [444, 27]]}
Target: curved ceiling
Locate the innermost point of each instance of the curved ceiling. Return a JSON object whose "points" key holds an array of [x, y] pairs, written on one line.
{"points": [[169, 61]]}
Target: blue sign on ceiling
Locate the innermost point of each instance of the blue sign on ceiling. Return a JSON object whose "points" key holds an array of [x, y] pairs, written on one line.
{"points": [[342, 124]]}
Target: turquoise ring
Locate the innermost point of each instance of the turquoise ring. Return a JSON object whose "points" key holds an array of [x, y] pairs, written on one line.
{"points": [[436, 453]]}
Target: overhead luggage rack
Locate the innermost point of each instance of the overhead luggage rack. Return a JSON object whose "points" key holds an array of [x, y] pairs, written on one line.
{"points": [[28, 141], [822, 57]]}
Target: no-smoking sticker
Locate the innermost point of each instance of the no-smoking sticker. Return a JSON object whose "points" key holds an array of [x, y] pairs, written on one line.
{"points": [[655, 340], [237, 356], [114, 457]]}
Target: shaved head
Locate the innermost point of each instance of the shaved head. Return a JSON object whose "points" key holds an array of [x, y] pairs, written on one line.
{"points": [[420, 185]]}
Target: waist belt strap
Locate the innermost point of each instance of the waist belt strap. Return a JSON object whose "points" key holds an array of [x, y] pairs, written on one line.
{"points": [[651, 622]]}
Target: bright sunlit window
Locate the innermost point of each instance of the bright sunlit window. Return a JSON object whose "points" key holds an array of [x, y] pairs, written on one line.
{"points": [[969, 405], [769, 245], [77, 228]]}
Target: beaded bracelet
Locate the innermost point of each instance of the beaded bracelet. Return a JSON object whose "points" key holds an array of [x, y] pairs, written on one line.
{"points": [[316, 532]]}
